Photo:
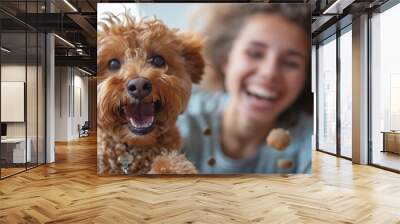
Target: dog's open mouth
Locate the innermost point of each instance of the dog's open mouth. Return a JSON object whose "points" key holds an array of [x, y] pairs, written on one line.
{"points": [[141, 116]]}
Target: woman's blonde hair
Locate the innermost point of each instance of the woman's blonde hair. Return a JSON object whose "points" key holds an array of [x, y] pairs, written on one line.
{"points": [[224, 24]]}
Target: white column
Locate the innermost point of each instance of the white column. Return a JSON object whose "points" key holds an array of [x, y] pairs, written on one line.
{"points": [[360, 90], [50, 93]]}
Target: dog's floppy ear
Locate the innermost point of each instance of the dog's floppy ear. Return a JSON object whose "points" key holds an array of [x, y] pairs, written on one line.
{"points": [[192, 52]]}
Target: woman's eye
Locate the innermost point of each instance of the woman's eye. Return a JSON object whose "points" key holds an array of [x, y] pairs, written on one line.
{"points": [[291, 64], [254, 54], [114, 64], [157, 61]]}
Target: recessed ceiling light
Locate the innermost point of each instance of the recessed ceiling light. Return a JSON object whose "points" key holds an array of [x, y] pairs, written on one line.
{"points": [[64, 40], [5, 50], [70, 5], [337, 7], [86, 72]]}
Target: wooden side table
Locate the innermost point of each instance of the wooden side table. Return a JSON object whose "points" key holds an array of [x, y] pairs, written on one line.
{"points": [[391, 141]]}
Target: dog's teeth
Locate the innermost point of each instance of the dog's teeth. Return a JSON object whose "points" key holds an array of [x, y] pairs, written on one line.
{"points": [[139, 124], [131, 120], [133, 123]]}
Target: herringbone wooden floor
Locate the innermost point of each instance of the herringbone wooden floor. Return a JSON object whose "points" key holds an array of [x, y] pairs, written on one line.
{"points": [[69, 191]]}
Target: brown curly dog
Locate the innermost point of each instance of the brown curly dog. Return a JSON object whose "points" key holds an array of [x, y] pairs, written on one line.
{"points": [[145, 76]]}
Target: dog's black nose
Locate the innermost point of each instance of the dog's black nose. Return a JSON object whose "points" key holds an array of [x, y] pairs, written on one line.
{"points": [[139, 87]]}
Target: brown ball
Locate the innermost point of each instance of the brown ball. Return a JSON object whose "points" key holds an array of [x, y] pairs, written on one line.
{"points": [[278, 138], [285, 163], [207, 131], [211, 161]]}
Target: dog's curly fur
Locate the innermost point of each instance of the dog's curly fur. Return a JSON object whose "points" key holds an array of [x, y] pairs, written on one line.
{"points": [[133, 43]]}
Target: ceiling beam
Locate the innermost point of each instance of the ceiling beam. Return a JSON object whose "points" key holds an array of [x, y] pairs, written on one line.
{"points": [[337, 7], [83, 61], [86, 26]]}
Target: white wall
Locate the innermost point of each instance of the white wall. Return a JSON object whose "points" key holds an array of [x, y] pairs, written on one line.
{"points": [[12, 73], [80, 93], [61, 103], [33, 126], [69, 82]]}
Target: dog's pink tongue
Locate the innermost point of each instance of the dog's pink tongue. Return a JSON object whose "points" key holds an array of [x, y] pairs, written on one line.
{"points": [[140, 114]]}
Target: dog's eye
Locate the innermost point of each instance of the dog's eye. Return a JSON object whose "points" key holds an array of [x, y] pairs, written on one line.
{"points": [[157, 61], [114, 64]]}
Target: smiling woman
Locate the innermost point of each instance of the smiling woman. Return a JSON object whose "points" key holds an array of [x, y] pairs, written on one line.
{"points": [[260, 56]]}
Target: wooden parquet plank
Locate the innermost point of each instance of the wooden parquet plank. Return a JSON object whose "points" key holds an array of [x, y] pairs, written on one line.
{"points": [[69, 191]]}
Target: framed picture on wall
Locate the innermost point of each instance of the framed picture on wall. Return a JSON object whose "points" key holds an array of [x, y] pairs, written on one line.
{"points": [[12, 101]]}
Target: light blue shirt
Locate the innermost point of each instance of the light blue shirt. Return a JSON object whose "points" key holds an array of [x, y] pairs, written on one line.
{"points": [[205, 109]]}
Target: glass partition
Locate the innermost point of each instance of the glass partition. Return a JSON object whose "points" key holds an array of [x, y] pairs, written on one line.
{"points": [[327, 95], [22, 88], [14, 151], [346, 92], [31, 97], [41, 86], [385, 89]]}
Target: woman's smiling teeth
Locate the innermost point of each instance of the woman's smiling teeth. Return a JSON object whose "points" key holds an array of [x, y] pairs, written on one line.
{"points": [[261, 93]]}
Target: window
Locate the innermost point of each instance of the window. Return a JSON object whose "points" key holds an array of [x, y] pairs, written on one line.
{"points": [[327, 95], [346, 92], [385, 89]]}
